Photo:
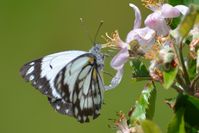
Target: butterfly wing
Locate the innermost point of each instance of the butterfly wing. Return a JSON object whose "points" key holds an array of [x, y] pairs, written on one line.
{"points": [[79, 84], [61, 106], [42, 72], [71, 80]]}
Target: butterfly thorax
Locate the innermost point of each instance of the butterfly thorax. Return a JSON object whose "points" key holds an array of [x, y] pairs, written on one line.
{"points": [[96, 51]]}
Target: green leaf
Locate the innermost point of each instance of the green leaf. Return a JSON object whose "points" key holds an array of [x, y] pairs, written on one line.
{"points": [[177, 124], [191, 67], [175, 22], [190, 105], [169, 77], [182, 2], [151, 107], [145, 105], [176, 2], [150, 127], [170, 102], [194, 101], [195, 2], [139, 70], [188, 21]]}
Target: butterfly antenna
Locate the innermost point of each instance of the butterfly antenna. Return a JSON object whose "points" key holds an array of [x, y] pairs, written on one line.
{"points": [[97, 32], [86, 29]]}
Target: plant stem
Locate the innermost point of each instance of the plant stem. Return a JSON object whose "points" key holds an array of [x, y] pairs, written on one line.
{"points": [[180, 80], [178, 89], [153, 84], [186, 76], [179, 77], [194, 81], [184, 80]]}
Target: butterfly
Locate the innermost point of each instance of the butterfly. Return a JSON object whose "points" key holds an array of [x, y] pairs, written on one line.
{"points": [[71, 80]]}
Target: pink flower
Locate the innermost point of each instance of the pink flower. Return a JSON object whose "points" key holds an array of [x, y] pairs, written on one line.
{"points": [[118, 60], [144, 36], [156, 20]]}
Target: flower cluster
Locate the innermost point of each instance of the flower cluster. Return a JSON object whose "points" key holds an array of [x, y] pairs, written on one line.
{"points": [[142, 41], [161, 46], [121, 125]]}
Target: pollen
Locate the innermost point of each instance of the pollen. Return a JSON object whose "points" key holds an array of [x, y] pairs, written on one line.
{"points": [[151, 3], [112, 41], [152, 53]]}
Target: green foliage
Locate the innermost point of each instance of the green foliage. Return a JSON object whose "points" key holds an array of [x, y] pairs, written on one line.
{"points": [[170, 102], [145, 105], [182, 2], [186, 107], [191, 67], [188, 21], [177, 124], [150, 127], [190, 105], [195, 1], [152, 98], [139, 70], [175, 22], [169, 77]]}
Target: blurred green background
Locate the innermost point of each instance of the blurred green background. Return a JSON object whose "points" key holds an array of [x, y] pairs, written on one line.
{"points": [[30, 29]]}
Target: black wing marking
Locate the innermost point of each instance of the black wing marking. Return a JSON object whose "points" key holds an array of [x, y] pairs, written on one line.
{"points": [[76, 83], [88, 104], [31, 73], [61, 106], [80, 86], [42, 72]]}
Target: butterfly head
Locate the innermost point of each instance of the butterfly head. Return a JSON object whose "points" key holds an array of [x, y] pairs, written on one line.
{"points": [[96, 51]]}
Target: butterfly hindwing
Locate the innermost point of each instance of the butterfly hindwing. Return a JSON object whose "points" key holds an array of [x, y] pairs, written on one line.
{"points": [[80, 84], [61, 106]]}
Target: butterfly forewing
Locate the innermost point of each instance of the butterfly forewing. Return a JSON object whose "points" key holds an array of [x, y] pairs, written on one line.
{"points": [[42, 72], [31, 72], [89, 98], [79, 83]]}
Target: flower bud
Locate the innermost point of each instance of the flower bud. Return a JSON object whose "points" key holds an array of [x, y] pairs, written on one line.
{"points": [[166, 55]]}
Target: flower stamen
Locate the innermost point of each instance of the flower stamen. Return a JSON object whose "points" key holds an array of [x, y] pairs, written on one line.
{"points": [[152, 3]]}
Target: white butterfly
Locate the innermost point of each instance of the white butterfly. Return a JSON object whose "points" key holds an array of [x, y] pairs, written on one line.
{"points": [[71, 80]]}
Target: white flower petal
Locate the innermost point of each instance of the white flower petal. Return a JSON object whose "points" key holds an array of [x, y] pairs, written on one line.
{"points": [[115, 80], [183, 9], [145, 37], [120, 59], [169, 11], [156, 22], [138, 17]]}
